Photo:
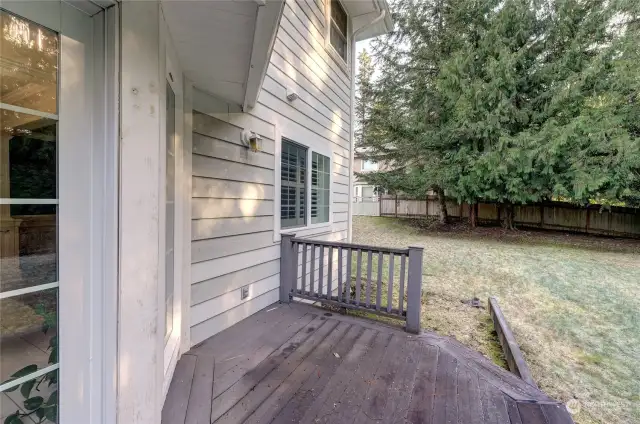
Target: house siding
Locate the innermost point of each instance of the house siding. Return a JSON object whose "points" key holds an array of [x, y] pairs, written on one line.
{"points": [[234, 191]]}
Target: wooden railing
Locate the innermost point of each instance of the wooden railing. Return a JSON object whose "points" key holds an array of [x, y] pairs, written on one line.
{"points": [[334, 273]]}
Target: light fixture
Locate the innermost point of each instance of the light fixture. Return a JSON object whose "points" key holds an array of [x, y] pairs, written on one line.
{"points": [[251, 140], [291, 95]]}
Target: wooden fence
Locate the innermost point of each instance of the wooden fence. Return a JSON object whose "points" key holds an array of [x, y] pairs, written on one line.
{"points": [[400, 300], [617, 221]]}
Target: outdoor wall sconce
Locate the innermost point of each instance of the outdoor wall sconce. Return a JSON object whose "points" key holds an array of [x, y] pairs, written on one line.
{"points": [[251, 140], [291, 95]]}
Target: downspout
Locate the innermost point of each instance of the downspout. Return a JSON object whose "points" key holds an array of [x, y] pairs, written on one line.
{"points": [[351, 121]]}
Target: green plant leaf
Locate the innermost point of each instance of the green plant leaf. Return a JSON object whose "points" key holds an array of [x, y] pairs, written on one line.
{"points": [[51, 413], [13, 419], [25, 371], [52, 377], [26, 388], [33, 403], [40, 413], [53, 356], [53, 398]]}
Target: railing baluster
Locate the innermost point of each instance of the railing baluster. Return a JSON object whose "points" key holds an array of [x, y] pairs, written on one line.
{"points": [[304, 269], [339, 274], [390, 283], [312, 263], [294, 271], [347, 294], [294, 250], [402, 273], [320, 271], [329, 272], [358, 277], [379, 285], [368, 290]]}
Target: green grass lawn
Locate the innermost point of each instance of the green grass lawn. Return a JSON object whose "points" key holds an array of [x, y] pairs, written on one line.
{"points": [[572, 301]]}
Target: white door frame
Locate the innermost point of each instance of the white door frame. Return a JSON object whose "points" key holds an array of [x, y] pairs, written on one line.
{"points": [[87, 212], [173, 76]]}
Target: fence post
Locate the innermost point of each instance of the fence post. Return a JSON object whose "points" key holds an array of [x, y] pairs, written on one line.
{"points": [[414, 290], [286, 265], [396, 205]]}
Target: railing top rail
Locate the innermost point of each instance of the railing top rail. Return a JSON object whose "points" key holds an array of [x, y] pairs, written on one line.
{"points": [[353, 246]]}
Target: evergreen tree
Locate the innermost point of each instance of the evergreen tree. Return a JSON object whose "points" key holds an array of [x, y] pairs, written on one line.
{"points": [[513, 101], [364, 97]]}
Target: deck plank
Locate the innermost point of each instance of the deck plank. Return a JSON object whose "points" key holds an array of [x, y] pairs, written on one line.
{"points": [[311, 375], [388, 396], [445, 403], [313, 403], [199, 408], [299, 402], [227, 344], [556, 414], [512, 409], [230, 371], [175, 405], [469, 395], [344, 408], [279, 366], [237, 403], [531, 413], [422, 396]]}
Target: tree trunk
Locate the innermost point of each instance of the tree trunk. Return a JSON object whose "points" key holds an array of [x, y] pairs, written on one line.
{"points": [[442, 202], [508, 216], [473, 215]]}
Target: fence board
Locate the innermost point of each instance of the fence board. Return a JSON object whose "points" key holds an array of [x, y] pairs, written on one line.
{"points": [[618, 221]]}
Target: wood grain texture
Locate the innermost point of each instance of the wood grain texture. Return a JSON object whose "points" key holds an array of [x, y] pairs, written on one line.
{"points": [[294, 363]]}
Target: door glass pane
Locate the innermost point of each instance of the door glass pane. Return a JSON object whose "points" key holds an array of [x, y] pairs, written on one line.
{"points": [[29, 71], [28, 221], [170, 211]]}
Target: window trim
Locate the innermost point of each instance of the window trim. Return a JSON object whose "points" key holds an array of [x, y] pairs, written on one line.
{"points": [[344, 64], [311, 148]]}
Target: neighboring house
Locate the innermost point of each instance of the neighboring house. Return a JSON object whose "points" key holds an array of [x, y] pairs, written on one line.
{"points": [[363, 192], [152, 154]]}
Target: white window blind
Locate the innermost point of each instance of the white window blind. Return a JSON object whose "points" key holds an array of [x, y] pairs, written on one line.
{"points": [[293, 175], [320, 188]]}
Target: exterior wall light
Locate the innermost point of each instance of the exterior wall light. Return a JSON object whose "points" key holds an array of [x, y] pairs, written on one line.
{"points": [[251, 140]]}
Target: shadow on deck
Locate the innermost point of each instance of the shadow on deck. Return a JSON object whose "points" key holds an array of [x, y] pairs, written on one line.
{"points": [[295, 363]]}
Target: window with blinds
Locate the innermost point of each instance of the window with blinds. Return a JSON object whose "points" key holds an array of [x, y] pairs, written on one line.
{"points": [[293, 176], [320, 188], [338, 29]]}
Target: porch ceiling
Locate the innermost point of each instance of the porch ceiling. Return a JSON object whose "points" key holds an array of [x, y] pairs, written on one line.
{"points": [[224, 46]]}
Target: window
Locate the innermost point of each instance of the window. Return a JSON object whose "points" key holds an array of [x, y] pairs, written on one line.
{"points": [[338, 29], [320, 188], [293, 175], [369, 165]]}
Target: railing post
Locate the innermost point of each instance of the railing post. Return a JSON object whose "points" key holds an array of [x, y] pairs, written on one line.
{"points": [[287, 273], [414, 290]]}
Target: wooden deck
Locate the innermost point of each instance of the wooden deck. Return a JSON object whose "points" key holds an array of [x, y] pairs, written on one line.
{"points": [[300, 364]]}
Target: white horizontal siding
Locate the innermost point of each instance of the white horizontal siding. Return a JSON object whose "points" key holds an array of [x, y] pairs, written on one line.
{"points": [[213, 326], [222, 227], [207, 187], [214, 287], [233, 189], [202, 271], [205, 166], [218, 305], [204, 250], [229, 208]]}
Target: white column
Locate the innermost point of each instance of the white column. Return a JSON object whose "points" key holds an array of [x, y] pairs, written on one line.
{"points": [[140, 348]]}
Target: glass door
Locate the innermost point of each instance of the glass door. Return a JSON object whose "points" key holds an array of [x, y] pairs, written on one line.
{"points": [[46, 136], [29, 55]]}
